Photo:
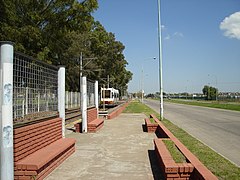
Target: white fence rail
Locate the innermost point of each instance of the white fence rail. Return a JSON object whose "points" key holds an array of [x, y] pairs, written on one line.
{"points": [[72, 100]]}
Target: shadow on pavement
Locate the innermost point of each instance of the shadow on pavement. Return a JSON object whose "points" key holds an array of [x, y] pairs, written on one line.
{"points": [[144, 128], [156, 171]]}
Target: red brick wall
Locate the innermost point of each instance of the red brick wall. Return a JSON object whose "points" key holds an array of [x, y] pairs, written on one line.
{"points": [[31, 138], [117, 111], [200, 172], [171, 169], [150, 126], [91, 114]]}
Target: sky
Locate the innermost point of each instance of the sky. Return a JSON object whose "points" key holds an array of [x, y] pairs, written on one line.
{"points": [[200, 42]]}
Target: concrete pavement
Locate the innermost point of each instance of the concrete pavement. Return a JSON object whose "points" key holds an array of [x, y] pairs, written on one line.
{"points": [[120, 150]]}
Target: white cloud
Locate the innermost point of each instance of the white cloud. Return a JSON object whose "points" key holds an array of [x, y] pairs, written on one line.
{"points": [[163, 27], [176, 35], [167, 37], [231, 26]]}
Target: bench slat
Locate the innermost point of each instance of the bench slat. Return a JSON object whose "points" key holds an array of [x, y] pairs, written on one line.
{"points": [[41, 157]]}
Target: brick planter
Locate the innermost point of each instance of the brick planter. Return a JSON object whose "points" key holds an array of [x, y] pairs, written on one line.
{"points": [[150, 127], [174, 170], [169, 167], [78, 127]]}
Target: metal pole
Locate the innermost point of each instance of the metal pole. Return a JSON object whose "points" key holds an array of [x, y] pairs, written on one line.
{"points": [[160, 60], [61, 96], [96, 95], [142, 84], [80, 83], [103, 91], [6, 110], [84, 104], [216, 89]]}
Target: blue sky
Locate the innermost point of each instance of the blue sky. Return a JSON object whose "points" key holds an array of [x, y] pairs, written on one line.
{"points": [[200, 39]]}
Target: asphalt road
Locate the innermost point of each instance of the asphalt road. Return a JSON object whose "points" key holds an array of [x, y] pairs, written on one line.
{"points": [[218, 129]]}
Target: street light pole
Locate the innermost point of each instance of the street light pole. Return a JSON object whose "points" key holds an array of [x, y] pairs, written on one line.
{"points": [[142, 80], [142, 84], [160, 60]]}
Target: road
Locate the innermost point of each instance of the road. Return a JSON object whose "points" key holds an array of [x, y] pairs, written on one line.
{"points": [[218, 129]]}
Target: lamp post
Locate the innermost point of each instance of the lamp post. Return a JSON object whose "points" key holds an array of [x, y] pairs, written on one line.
{"points": [[142, 77], [160, 60]]}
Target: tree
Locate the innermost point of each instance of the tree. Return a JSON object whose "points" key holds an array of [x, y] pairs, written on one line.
{"points": [[210, 92], [57, 31], [40, 29]]}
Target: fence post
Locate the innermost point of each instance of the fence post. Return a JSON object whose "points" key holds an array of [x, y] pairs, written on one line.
{"points": [[66, 99], [84, 103], [96, 96], [38, 96], [61, 96], [26, 100], [6, 110]]}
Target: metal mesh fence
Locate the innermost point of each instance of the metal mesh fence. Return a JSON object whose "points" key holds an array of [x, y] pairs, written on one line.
{"points": [[35, 87], [72, 100], [90, 93]]}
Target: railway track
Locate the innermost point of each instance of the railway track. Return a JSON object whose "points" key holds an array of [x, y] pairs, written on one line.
{"points": [[72, 115]]}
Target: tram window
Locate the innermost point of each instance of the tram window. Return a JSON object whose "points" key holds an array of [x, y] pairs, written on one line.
{"points": [[107, 94]]}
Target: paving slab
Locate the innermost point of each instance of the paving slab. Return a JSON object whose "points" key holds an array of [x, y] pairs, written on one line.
{"points": [[119, 150]]}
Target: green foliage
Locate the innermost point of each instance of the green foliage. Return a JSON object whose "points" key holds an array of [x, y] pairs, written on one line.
{"points": [[212, 104], [57, 31], [210, 92], [137, 107], [178, 157]]}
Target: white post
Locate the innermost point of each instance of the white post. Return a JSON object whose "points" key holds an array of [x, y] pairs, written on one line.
{"points": [[61, 97], [160, 59], [84, 104], [71, 99], [96, 96], [26, 100], [38, 101], [6, 110]]}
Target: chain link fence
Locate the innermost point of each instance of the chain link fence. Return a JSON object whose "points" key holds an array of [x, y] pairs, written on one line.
{"points": [[35, 86], [72, 100], [90, 93]]}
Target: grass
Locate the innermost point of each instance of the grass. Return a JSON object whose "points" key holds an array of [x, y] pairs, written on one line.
{"points": [[211, 104], [137, 107], [220, 166], [178, 157]]}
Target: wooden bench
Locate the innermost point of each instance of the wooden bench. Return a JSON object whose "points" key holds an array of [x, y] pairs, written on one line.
{"points": [[39, 148], [95, 125]]}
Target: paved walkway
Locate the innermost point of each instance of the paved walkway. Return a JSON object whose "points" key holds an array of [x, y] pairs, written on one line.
{"points": [[120, 150]]}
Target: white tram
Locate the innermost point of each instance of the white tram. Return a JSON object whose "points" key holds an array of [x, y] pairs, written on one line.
{"points": [[109, 96]]}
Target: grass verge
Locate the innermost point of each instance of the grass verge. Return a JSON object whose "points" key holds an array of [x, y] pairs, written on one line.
{"points": [[220, 166], [178, 157], [211, 104]]}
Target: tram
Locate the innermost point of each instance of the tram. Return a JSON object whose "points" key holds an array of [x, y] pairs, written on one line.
{"points": [[109, 96]]}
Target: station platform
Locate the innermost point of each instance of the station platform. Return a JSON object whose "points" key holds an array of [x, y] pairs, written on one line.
{"points": [[119, 150]]}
